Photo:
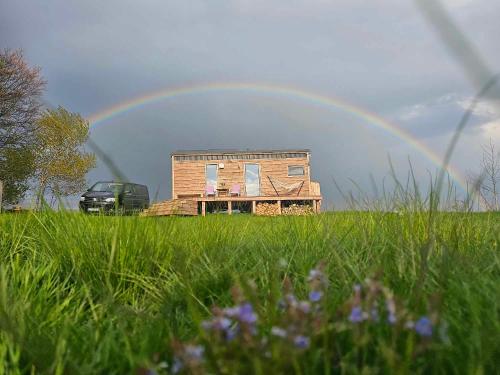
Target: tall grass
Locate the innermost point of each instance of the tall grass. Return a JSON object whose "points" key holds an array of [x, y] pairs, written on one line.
{"points": [[90, 294]]}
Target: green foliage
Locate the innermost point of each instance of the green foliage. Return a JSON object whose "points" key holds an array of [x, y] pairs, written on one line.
{"points": [[61, 162], [16, 166], [20, 91], [84, 294]]}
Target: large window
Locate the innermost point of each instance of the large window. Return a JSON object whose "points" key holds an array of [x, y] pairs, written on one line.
{"points": [[295, 170], [252, 180], [211, 175]]}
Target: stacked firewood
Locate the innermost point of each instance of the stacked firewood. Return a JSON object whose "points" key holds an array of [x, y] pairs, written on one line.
{"points": [[267, 209], [273, 209], [183, 207], [297, 209]]}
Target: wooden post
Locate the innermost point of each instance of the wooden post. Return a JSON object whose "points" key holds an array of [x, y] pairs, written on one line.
{"points": [[1, 195], [316, 206], [203, 208], [229, 207], [254, 205], [279, 207]]}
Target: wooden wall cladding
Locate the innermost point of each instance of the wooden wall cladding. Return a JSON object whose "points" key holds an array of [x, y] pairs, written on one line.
{"points": [[189, 176]]}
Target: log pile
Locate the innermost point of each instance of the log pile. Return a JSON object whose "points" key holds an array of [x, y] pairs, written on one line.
{"points": [[298, 209], [267, 209], [273, 209], [182, 207]]}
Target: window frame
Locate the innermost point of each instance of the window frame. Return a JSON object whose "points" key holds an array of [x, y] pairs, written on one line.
{"points": [[296, 175]]}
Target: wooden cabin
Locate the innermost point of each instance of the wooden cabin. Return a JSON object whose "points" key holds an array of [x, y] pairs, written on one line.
{"points": [[229, 180]]}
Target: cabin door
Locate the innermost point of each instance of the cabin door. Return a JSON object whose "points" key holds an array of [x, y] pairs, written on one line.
{"points": [[252, 180]]}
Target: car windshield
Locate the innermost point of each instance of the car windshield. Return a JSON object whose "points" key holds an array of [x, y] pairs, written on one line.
{"points": [[112, 187]]}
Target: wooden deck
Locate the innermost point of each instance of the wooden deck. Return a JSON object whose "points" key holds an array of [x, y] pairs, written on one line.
{"points": [[198, 205]]}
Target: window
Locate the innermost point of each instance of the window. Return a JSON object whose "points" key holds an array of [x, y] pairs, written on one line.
{"points": [[295, 170], [130, 188], [211, 175], [111, 187], [252, 180], [143, 190]]}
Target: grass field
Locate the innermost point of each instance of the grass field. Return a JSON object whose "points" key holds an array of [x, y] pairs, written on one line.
{"points": [[82, 294]]}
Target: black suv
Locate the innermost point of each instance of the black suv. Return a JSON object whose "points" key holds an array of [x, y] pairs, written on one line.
{"points": [[106, 196]]}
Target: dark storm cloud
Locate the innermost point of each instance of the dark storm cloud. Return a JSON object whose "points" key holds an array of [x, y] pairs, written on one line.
{"points": [[380, 55]]}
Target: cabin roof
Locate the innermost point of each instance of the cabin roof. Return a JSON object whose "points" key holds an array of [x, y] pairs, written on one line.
{"points": [[230, 152]]}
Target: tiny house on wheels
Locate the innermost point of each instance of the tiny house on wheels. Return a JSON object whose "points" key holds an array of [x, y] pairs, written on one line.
{"points": [[263, 182]]}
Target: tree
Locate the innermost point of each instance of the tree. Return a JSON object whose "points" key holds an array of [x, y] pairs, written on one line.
{"points": [[16, 167], [20, 93], [61, 161], [491, 176], [488, 181]]}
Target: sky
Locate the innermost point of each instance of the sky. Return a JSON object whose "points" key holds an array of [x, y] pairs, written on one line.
{"points": [[381, 57]]}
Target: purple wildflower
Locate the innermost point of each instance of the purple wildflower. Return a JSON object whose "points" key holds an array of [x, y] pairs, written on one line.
{"points": [[291, 299], [224, 323], [279, 332], [391, 318], [301, 342], [195, 351], [374, 314], [314, 274], [206, 325], [192, 354], [391, 310], [177, 366], [281, 304], [390, 304], [232, 332], [305, 307], [356, 315], [317, 276], [246, 314], [315, 295], [216, 324], [423, 327], [232, 312]]}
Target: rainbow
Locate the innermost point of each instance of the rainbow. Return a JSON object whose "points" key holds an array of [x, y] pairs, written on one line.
{"points": [[283, 91]]}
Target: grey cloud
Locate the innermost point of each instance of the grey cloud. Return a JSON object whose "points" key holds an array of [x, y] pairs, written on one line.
{"points": [[442, 115]]}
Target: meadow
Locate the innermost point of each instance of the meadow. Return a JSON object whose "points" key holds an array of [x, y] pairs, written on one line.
{"points": [[116, 295]]}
